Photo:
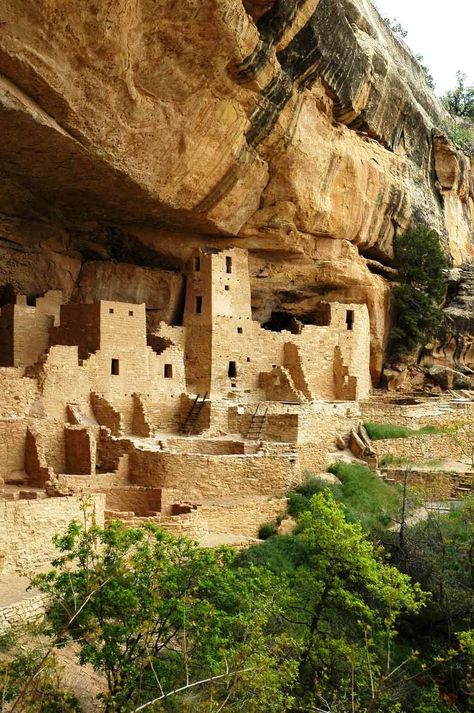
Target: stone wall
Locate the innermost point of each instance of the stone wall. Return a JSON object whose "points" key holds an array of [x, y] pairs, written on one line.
{"points": [[218, 475], [421, 448], [25, 611], [28, 526]]}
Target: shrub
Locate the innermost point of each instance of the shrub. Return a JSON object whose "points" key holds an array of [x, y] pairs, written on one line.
{"points": [[267, 530], [297, 503]]}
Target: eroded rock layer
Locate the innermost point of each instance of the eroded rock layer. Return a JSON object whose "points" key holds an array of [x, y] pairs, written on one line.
{"points": [[132, 133]]}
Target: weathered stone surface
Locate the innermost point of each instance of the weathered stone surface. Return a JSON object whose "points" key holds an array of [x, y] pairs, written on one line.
{"points": [[133, 133]]}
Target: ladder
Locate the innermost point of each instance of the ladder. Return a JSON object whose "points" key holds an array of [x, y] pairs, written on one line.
{"points": [[257, 424], [189, 422]]}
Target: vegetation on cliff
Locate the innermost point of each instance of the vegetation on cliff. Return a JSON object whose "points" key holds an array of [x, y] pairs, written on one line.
{"points": [[419, 294]]}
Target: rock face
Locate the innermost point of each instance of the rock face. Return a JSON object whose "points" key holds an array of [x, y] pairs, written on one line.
{"points": [[303, 130]]}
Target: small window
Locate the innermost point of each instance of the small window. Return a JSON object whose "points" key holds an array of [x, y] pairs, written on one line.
{"points": [[168, 371], [232, 370], [197, 264], [111, 310], [130, 313], [248, 358], [350, 319], [227, 288], [228, 265], [240, 330], [114, 367], [198, 304]]}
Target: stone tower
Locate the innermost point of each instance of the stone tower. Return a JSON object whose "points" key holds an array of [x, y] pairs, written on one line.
{"points": [[217, 318]]}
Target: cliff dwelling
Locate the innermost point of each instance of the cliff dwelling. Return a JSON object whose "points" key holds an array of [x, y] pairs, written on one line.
{"points": [[162, 423]]}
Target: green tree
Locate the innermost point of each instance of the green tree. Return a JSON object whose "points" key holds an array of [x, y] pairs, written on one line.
{"points": [[342, 607], [165, 621], [351, 599], [420, 262], [460, 100]]}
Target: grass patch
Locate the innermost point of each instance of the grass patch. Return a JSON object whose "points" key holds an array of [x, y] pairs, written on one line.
{"points": [[381, 431], [389, 460], [367, 499], [395, 460]]}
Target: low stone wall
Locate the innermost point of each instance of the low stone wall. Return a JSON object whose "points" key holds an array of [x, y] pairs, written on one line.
{"points": [[240, 516], [202, 476], [421, 448], [28, 526], [441, 484], [205, 447], [25, 611], [442, 413]]}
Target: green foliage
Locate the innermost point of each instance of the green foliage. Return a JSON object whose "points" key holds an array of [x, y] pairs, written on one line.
{"points": [[366, 498], [439, 554], [152, 613], [460, 100], [23, 661], [426, 71], [345, 600], [268, 529], [381, 431], [420, 262], [395, 26], [461, 136]]}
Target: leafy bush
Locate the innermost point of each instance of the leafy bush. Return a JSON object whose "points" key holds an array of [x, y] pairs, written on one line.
{"points": [[382, 431], [461, 136], [420, 262], [32, 678], [267, 530], [298, 501], [279, 555]]}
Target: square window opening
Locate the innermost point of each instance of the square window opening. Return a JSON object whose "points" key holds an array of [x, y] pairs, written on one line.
{"points": [[240, 330], [130, 313], [197, 264], [168, 371], [114, 367], [227, 288], [111, 310], [198, 304], [232, 370], [228, 265], [350, 319]]}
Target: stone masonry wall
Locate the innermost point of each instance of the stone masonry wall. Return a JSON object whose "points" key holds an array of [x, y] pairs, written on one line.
{"points": [[27, 528], [207, 476], [421, 448]]}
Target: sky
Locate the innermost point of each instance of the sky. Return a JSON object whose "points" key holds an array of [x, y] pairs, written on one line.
{"points": [[440, 30]]}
